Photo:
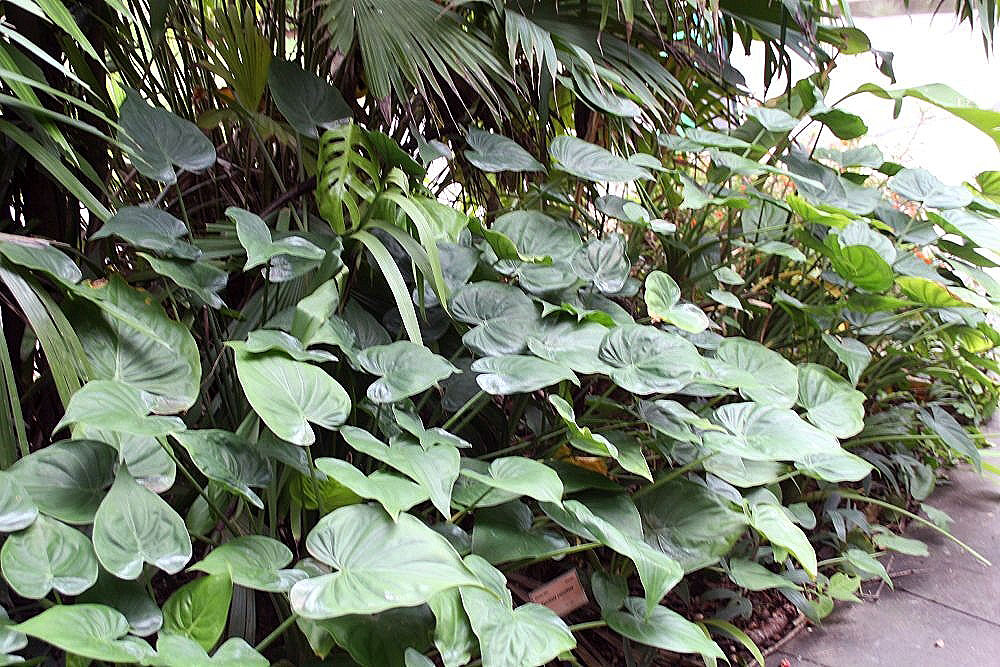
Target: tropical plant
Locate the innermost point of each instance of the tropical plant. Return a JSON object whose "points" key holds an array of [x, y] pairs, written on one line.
{"points": [[330, 330]]}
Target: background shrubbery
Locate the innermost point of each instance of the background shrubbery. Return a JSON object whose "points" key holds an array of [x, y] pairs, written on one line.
{"points": [[331, 330]]}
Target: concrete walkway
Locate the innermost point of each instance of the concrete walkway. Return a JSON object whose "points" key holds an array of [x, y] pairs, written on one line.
{"points": [[945, 609]]}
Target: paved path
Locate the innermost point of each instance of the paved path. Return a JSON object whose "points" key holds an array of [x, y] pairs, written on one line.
{"points": [[945, 613]]}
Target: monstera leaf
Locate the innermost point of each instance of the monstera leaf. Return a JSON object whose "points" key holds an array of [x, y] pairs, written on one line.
{"points": [[380, 564], [48, 555], [133, 526], [304, 99], [131, 340], [492, 152], [527, 636], [645, 360], [289, 395], [253, 561], [89, 630], [404, 369], [157, 141]]}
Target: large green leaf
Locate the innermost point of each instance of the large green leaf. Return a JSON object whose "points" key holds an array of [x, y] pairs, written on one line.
{"points": [[760, 432], [520, 476], [134, 526], [198, 610], [17, 510], [689, 523], [89, 630], [46, 555], [227, 459], [527, 636], [67, 479], [504, 533], [255, 237], [179, 651], [852, 353], [131, 598], [537, 236], [593, 163], [132, 340], [831, 403], [149, 229], [252, 561], [834, 466], [662, 628], [860, 263], [268, 340], [158, 140], [201, 278], [380, 564], [404, 369], [393, 492], [434, 468], [503, 317], [145, 458], [604, 262], [519, 374], [922, 186], [39, 255], [760, 374], [662, 295], [574, 345], [980, 230], [493, 152], [304, 99], [289, 395], [658, 572], [771, 521], [116, 406], [645, 360]]}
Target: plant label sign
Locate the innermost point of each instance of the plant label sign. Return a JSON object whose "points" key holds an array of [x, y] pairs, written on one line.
{"points": [[562, 595]]}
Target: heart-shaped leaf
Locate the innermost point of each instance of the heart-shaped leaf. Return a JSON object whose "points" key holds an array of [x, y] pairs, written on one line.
{"points": [[645, 360], [852, 353], [529, 635], [760, 374], [203, 279], [17, 510], [289, 395], [268, 340], [252, 561], [380, 564], [46, 555], [574, 345], [158, 140], [835, 466], [304, 99], [67, 478], [831, 403], [504, 533], [88, 630], [520, 476], [255, 237], [134, 526], [504, 317], [603, 262], [198, 610], [227, 459], [433, 468], [149, 229], [761, 432], [538, 237], [492, 152], [689, 523], [593, 163], [519, 374], [39, 255], [393, 492], [404, 369], [922, 186], [179, 651], [663, 628], [118, 407]]}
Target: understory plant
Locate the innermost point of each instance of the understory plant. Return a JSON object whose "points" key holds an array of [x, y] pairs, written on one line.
{"points": [[334, 331]]}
